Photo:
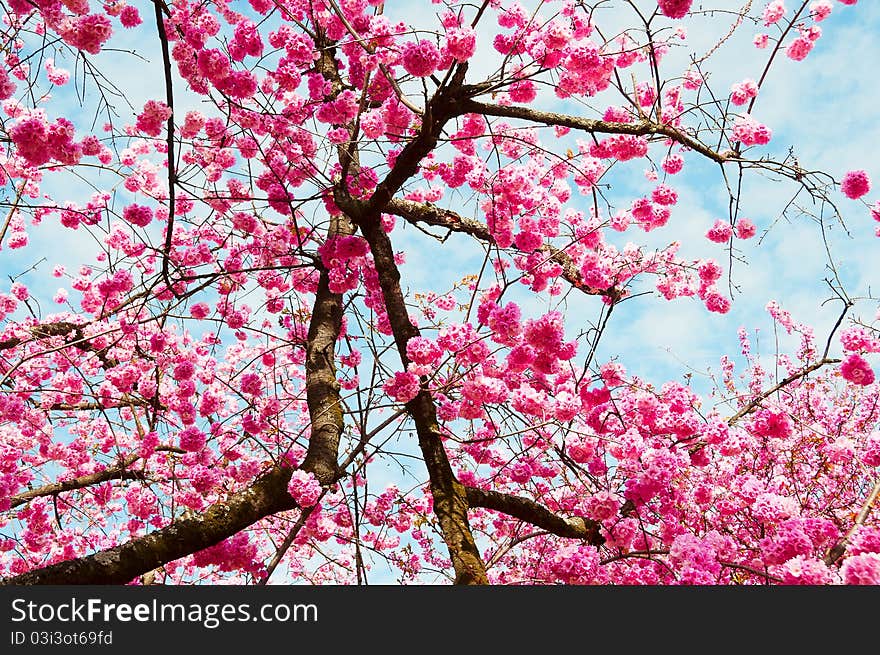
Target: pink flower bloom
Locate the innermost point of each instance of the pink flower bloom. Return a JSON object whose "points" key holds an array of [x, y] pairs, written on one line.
{"points": [[251, 384], [820, 10], [373, 124], [88, 33], [771, 423], [720, 232], [522, 91], [521, 472], [871, 456], [556, 35], [751, 132], [745, 228], [193, 123], [862, 569], [856, 370], [855, 184], [57, 76], [192, 439], [773, 12], [799, 49], [246, 41], [717, 303], [812, 33], [20, 291], [200, 310], [420, 58], [423, 351], [7, 86], [802, 570], [673, 164], [744, 91], [602, 506], [856, 339], [129, 16], [866, 539], [461, 42], [664, 195], [305, 488], [29, 137], [403, 387], [183, 370], [138, 215], [709, 271], [153, 118]]}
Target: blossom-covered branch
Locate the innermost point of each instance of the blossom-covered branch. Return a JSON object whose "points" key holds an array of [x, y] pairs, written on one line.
{"points": [[430, 215], [225, 358], [593, 126]]}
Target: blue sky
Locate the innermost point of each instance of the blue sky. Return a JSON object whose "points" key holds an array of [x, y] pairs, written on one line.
{"points": [[825, 107]]}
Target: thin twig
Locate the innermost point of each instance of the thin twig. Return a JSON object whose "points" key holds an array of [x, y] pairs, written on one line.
{"points": [[791, 378]]}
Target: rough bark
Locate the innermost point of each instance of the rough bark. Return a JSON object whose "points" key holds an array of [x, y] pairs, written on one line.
{"points": [[450, 499], [322, 388], [268, 495]]}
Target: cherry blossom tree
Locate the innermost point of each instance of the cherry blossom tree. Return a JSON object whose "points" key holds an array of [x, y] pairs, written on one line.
{"points": [[239, 383]]}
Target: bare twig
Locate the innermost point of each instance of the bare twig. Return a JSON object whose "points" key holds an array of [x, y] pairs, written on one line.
{"points": [[791, 378]]}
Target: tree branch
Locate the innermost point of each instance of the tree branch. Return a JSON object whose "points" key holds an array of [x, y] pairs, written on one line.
{"points": [[524, 509], [450, 501], [119, 471], [172, 175], [121, 564], [266, 496], [642, 128], [415, 212], [791, 378], [63, 329], [837, 551], [43, 331], [445, 104]]}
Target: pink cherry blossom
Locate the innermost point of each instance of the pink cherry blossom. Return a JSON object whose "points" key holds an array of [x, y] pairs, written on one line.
{"points": [[675, 8], [745, 228], [720, 232], [862, 569], [856, 370], [420, 58], [152, 119], [381, 297], [305, 488], [130, 17]]}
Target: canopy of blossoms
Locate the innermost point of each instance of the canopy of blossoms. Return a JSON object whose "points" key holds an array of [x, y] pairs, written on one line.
{"points": [[237, 382]]}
